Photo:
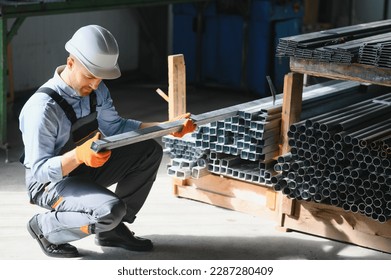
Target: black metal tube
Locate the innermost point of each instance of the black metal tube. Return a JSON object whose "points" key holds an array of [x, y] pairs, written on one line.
{"points": [[346, 207], [326, 192], [361, 191], [285, 158], [373, 137], [349, 180], [335, 113], [277, 167], [354, 208], [348, 117], [363, 129], [368, 210], [313, 189], [276, 186]]}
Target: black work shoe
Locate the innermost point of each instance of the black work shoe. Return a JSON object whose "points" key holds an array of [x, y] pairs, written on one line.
{"points": [[52, 250], [122, 237]]}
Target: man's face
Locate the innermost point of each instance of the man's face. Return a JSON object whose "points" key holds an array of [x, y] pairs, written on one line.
{"points": [[82, 80]]}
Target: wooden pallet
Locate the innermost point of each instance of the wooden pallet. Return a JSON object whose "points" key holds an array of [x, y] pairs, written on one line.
{"points": [[334, 223], [230, 193], [322, 220]]}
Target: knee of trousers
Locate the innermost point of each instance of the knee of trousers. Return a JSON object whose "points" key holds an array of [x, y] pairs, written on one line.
{"points": [[109, 215]]}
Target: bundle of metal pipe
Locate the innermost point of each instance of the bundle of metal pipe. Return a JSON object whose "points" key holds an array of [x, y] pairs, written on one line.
{"points": [[341, 158], [340, 45]]}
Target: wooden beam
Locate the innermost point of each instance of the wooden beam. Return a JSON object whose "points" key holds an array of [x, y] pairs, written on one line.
{"points": [[291, 110], [162, 94], [230, 193], [291, 106], [176, 86], [334, 223], [355, 72]]}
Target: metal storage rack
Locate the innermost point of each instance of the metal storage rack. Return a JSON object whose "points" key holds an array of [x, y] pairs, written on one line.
{"points": [[320, 219], [292, 215]]}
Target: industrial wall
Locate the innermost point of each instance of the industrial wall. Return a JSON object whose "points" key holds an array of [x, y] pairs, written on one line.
{"points": [[142, 35], [347, 12], [38, 47]]}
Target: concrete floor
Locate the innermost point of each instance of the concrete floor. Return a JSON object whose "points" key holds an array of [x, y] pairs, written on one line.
{"points": [[181, 229]]}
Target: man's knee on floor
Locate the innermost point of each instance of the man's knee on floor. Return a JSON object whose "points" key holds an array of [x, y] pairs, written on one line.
{"points": [[109, 215]]}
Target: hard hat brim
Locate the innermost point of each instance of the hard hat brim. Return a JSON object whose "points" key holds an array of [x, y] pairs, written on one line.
{"points": [[99, 72]]}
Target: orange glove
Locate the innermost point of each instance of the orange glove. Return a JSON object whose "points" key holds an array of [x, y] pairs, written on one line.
{"points": [[183, 116], [84, 154], [188, 126]]}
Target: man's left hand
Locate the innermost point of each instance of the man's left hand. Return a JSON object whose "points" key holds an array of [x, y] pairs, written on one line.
{"points": [[188, 126]]}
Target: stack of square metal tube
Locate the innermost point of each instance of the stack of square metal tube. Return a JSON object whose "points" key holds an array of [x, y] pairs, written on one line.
{"points": [[243, 147]]}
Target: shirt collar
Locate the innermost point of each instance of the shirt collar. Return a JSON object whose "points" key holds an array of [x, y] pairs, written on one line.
{"points": [[64, 86]]}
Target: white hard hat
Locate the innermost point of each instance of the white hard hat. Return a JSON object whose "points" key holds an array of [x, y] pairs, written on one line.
{"points": [[96, 48]]}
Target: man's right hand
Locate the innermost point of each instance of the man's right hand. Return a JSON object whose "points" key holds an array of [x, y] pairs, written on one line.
{"points": [[84, 154]]}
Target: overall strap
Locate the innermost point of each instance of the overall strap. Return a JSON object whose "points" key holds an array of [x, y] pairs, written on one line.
{"points": [[68, 110], [92, 102]]}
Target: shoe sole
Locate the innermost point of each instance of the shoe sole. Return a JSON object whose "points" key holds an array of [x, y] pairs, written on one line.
{"points": [[123, 246], [64, 255]]}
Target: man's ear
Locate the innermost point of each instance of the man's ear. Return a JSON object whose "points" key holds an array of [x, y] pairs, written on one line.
{"points": [[70, 62]]}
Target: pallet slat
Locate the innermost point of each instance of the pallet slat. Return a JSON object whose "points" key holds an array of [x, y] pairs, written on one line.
{"points": [[333, 223], [231, 194]]}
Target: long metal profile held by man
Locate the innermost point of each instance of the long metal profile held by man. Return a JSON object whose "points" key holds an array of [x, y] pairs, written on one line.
{"points": [[162, 129]]}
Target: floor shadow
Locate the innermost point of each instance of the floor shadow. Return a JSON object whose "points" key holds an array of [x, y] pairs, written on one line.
{"points": [[178, 247]]}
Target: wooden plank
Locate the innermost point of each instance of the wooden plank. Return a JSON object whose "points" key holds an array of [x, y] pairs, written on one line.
{"points": [[176, 86], [291, 107], [355, 72], [291, 110], [162, 94], [333, 223], [220, 200], [271, 199], [230, 193], [286, 207], [234, 188]]}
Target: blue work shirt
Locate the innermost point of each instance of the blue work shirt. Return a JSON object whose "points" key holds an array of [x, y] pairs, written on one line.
{"points": [[46, 129]]}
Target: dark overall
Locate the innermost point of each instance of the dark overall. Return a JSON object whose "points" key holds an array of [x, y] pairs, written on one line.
{"points": [[80, 203]]}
